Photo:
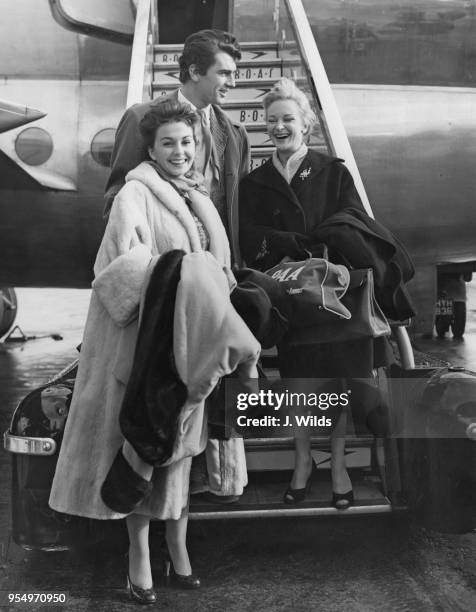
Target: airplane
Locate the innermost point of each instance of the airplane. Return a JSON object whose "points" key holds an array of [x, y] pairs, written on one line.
{"points": [[402, 77], [51, 211]]}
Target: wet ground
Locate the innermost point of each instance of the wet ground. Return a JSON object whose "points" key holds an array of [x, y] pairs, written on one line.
{"points": [[371, 564]]}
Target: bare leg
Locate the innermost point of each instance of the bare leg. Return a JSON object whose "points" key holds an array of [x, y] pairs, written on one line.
{"points": [[302, 459], [140, 572], [176, 536], [340, 478]]}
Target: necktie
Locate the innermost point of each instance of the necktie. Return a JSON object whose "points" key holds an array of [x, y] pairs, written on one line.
{"points": [[205, 141]]}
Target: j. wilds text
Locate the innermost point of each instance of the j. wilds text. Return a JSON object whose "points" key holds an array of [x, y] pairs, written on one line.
{"points": [[297, 409]]}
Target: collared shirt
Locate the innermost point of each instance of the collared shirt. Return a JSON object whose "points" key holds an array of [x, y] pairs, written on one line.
{"points": [[202, 156], [206, 109], [289, 170], [208, 162]]}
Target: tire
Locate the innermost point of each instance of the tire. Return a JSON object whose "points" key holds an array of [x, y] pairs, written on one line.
{"points": [[442, 324], [8, 309], [458, 322], [442, 492]]}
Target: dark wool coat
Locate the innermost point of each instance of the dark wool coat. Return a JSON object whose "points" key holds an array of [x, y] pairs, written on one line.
{"points": [[154, 393], [277, 219], [129, 151], [363, 242]]}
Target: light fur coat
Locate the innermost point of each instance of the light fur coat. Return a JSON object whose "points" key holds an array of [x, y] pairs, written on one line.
{"points": [[147, 219]]}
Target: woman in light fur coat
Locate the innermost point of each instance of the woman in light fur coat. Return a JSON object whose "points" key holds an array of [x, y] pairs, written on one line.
{"points": [[161, 207]]}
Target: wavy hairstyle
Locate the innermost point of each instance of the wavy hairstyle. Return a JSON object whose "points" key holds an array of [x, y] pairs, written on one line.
{"points": [[166, 111], [201, 47], [285, 89]]}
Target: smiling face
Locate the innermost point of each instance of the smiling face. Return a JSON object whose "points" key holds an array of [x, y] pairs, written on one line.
{"points": [[286, 127], [212, 87], [174, 148]]}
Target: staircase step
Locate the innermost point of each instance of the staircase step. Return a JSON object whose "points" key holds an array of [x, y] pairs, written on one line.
{"points": [[247, 73], [249, 112], [262, 151], [271, 454], [317, 442], [263, 497], [170, 74], [253, 88], [266, 45], [259, 137], [250, 52], [236, 95], [274, 63], [215, 512], [267, 151]]}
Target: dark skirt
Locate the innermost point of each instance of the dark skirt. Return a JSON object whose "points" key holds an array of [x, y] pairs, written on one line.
{"points": [[345, 367]]}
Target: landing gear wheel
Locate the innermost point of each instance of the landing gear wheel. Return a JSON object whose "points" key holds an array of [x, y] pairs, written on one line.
{"points": [[442, 324], [458, 322], [441, 488], [8, 309]]}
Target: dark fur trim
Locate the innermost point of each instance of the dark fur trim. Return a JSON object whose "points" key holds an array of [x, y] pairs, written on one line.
{"points": [[123, 489], [154, 394]]}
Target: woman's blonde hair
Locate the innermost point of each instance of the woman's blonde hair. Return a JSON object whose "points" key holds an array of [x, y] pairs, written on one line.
{"points": [[285, 89]]}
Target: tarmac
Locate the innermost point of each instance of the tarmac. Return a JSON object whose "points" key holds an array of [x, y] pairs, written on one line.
{"points": [[362, 564]]}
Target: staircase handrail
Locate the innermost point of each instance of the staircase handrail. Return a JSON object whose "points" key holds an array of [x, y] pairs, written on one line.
{"points": [[317, 73], [338, 136], [140, 75]]}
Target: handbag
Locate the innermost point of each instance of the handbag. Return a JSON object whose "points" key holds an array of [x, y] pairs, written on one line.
{"points": [[367, 321], [315, 288]]}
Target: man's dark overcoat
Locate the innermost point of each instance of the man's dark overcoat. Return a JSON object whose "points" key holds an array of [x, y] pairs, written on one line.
{"points": [[129, 152]]}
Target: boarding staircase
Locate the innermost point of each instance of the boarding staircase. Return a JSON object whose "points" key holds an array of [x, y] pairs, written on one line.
{"points": [[292, 54], [262, 64]]}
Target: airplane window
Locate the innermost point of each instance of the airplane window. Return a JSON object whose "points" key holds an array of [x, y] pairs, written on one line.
{"points": [[34, 146], [101, 146]]}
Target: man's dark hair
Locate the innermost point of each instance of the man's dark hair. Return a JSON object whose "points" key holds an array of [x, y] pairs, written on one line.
{"points": [[166, 111], [201, 47]]}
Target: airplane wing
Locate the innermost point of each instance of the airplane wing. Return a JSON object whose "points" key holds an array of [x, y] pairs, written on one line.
{"points": [[13, 115]]}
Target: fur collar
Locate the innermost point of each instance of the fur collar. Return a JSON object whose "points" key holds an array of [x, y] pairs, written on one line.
{"points": [[201, 205]]}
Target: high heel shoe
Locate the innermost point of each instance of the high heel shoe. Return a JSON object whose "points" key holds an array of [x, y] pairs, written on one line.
{"points": [[343, 500], [295, 496], [142, 596], [171, 578]]}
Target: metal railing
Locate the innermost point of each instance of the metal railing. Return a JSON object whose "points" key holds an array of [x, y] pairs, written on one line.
{"points": [[141, 71], [333, 126], [317, 76]]}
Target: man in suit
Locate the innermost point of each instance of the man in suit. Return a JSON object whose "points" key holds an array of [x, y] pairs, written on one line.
{"points": [[207, 69]]}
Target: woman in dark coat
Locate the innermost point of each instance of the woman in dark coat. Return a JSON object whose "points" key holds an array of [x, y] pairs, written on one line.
{"points": [[281, 205]]}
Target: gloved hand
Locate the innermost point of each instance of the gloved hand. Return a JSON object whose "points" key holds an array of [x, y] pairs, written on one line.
{"points": [[291, 244]]}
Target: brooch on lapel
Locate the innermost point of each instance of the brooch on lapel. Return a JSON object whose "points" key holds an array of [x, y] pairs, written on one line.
{"points": [[304, 174]]}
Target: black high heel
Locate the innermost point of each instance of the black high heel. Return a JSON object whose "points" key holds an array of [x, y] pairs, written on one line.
{"points": [[139, 595], [171, 578], [343, 500], [295, 496]]}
